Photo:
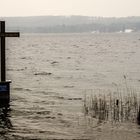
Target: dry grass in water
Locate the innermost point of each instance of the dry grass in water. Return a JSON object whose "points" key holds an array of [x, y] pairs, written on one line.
{"points": [[121, 106]]}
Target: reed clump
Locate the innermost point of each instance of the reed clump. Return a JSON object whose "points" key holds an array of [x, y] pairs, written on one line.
{"points": [[121, 106]]}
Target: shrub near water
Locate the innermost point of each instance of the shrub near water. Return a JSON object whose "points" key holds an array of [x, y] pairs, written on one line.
{"points": [[121, 106]]}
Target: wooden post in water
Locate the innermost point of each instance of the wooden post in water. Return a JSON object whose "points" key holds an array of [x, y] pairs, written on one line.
{"points": [[4, 84]]}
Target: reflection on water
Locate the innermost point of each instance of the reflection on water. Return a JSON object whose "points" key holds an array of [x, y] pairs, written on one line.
{"points": [[5, 122]]}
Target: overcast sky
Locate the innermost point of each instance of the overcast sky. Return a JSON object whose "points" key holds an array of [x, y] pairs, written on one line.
{"points": [[106, 8]]}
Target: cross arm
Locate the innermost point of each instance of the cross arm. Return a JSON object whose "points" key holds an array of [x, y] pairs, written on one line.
{"points": [[10, 34]]}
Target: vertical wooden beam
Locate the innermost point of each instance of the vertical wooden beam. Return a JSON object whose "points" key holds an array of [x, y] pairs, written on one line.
{"points": [[3, 58]]}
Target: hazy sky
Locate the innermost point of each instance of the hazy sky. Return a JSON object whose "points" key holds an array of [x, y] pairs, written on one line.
{"points": [[104, 8]]}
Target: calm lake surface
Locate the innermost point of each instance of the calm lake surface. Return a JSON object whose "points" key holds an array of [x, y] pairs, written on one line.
{"points": [[51, 73]]}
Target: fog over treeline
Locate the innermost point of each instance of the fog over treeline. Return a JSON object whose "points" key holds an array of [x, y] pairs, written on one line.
{"points": [[71, 24]]}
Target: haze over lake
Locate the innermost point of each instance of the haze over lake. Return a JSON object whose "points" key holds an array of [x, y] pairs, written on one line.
{"points": [[72, 24]]}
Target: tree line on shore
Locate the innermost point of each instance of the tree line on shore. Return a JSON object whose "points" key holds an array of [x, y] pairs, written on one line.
{"points": [[72, 24]]}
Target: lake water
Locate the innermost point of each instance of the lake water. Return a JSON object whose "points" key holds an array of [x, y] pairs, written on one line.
{"points": [[51, 73]]}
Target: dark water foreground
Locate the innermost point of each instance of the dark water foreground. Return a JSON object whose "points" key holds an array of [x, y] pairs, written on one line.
{"points": [[38, 123], [51, 73], [5, 122]]}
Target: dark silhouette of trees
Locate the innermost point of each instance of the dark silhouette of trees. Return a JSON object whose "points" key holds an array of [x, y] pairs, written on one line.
{"points": [[72, 24]]}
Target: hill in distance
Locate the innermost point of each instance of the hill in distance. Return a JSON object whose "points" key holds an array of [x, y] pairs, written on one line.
{"points": [[71, 24]]}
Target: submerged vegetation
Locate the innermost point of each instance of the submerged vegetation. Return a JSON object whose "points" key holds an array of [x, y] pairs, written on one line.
{"points": [[122, 105]]}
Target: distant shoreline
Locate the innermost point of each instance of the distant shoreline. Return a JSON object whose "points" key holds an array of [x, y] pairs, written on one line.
{"points": [[72, 24]]}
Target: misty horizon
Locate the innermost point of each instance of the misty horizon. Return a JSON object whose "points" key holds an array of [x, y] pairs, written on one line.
{"points": [[71, 24]]}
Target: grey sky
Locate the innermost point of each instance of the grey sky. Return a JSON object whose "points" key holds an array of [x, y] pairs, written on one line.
{"points": [[106, 8]]}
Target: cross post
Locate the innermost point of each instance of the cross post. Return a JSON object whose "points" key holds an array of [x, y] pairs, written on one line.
{"points": [[4, 85], [3, 35]]}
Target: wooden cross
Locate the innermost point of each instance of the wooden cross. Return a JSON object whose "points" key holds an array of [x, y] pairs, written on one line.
{"points": [[4, 34]]}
